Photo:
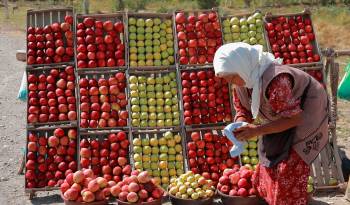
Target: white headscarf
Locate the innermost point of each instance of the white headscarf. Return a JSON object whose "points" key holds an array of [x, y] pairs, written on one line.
{"points": [[249, 62]]}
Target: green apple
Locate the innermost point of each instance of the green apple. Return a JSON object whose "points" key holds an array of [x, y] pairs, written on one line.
{"points": [[134, 101], [137, 157], [243, 21], [157, 21], [154, 157], [132, 21], [252, 145], [261, 42], [138, 165], [159, 89], [332, 182], [146, 150], [234, 21], [253, 153], [258, 22], [160, 123], [151, 94], [245, 160], [146, 165], [310, 188], [244, 36], [149, 22], [162, 141], [257, 15], [168, 116], [169, 36], [159, 80], [133, 79], [140, 22], [148, 30], [245, 152], [168, 22], [157, 63], [133, 50], [168, 101], [244, 29], [152, 116], [149, 57], [138, 149], [226, 23], [151, 81], [156, 30], [228, 37], [133, 56], [134, 93], [144, 116], [143, 103], [132, 36], [132, 43], [141, 79], [171, 165], [179, 158], [168, 122], [163, 149], [133, 63], [176, 122], [175, 108], [310, 180], [166, 87], [159, 108], [172, 151], [163, 157], [135, 122], [236, 36], [143, 123], [140, 43], [151, 108], [160, 116], [141, 87], [226, 30], [140, 37], [155, 150], [153, 142], [154, 166], [135, 108], [140, 30], [235, 29], [160, 101], [169, 30], [152, 101], [135, 115], [178, 148], [251, 20], [253, 41], [145, 142], [136, 142], [167, 108], [150, 88], [174, 100], [251, 34], [254, 160], [179, 166], [152, 123]]}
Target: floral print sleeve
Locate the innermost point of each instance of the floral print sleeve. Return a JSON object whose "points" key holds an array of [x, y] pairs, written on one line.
{"points": [[280, 96], [240, 110]]}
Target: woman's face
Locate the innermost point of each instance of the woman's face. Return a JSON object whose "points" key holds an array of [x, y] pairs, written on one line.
{"points": [[234, 79]]}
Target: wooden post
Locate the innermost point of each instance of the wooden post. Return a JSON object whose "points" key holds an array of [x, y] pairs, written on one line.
{"points": [[7, 15], [86, 5], [347, 193]]}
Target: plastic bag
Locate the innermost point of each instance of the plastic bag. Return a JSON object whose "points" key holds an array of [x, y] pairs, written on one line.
{"points": [[22, 93], [344, 86], [238, 146]]}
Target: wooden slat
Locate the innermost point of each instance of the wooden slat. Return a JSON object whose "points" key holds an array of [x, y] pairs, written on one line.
{"points": [[317, 170], [325, 161]]}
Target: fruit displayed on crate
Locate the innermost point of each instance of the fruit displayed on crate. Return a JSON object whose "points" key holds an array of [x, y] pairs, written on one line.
{"points": [[249, 156], [292, 38], [107, 157], [191, 186], [247, 29], [310, 184], [205, 97], [237, 182], [151, 42], [51, 43], [84, 186], [208, 154], [100, 43], [160, 155], [198, 37], [51, 95], [154, 101], [103, 101], [50, 156], [138, 188], [317, 74]]}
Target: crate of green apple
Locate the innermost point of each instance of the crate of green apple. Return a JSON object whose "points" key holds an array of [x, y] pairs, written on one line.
{"points": [[160, 153], [103, 100], [154, 98], [100, 41], [151, 40], [106, 153], [249, 156], [51, 95], [208, 152], [247, 28], [205, 97], [198, 36], [292, 38], [50, 156], [50, 37]]}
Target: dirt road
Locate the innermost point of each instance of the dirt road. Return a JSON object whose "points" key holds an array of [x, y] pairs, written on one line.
{"points": [[12, 129]]}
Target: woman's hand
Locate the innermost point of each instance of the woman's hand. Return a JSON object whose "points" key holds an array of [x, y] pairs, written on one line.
{"points": [[247, 132]]}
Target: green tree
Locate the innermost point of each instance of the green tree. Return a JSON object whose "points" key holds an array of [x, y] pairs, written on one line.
{"points": [[208, 4]]}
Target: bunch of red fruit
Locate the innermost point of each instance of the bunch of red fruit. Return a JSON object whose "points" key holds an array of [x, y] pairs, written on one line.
{"points": [[84, 186], [209, 155], [103, 102], [99, 44], [198, 37], [137, 188], [51, 44], [291, 39], [49, 160], [237, 182], [108, 157], [51, 96], [317, 74], [205, 98]]}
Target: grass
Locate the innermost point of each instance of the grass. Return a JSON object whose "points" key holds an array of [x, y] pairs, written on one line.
{"points": [[332, 26]]}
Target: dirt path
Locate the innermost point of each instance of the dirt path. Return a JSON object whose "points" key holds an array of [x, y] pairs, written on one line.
{"points": [[12, 129]]}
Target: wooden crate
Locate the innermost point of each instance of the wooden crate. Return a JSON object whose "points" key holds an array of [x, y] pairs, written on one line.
{"points": [[197, 69], [155, 72], [241, 15], [46, 132], [90, 74], [305, 14], [195, 13], [41, 18], [46, 71], [102, 136], [114, 17], [217, 131], [156, 133], [162, 16]]}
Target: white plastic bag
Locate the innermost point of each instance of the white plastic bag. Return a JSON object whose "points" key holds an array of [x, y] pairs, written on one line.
{"points": [[22, 93], [238, 146]]}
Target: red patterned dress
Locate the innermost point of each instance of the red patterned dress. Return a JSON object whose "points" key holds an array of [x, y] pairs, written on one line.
{"points": [[286, 183]]}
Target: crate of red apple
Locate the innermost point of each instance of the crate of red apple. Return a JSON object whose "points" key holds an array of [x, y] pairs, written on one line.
{"points": [[50, 156], [50, 36], [51, 96], [100, 41], [208, 153], [292, 38], [103, 101], [236, 186], [205, 97], [106, 154], [198, 36]]}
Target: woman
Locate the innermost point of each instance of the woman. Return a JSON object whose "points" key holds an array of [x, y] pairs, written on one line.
{"points": [[293, 110]]}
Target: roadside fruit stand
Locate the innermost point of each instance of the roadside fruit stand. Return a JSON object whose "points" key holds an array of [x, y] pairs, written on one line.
{"points": [[126, 92]]}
